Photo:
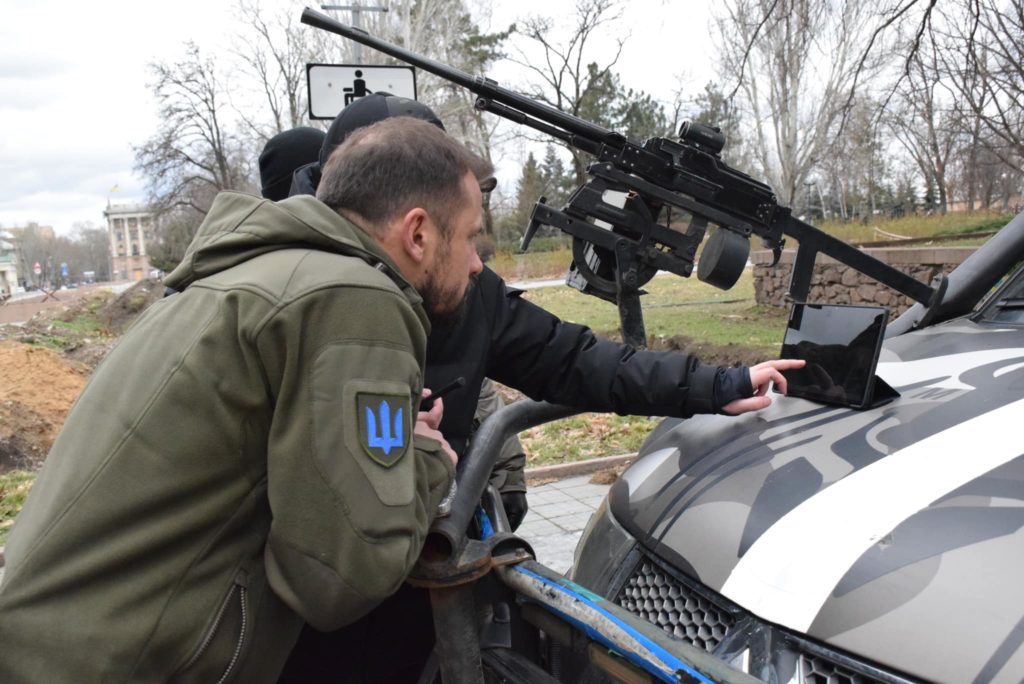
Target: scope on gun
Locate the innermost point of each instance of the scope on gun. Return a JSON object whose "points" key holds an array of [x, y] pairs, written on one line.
{"points": [[710, 138]]}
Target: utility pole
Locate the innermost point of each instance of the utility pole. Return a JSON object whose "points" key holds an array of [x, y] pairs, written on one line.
{"points": [[356, 10], [807, 199]]}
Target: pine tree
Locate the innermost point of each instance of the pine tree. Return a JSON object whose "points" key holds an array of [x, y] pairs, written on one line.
{"points": [[529, 188]]}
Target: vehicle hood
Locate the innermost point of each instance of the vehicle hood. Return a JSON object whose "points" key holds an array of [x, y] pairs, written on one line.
{"points": [[861, 527]]}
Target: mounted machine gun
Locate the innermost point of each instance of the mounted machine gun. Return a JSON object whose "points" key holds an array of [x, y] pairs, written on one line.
{"points": [[618, 247]]}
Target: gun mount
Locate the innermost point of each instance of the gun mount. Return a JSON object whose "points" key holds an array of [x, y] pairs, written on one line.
{"points": [[618, 246]]}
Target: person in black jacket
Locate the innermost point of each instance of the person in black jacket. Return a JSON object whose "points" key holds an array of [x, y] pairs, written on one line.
{"points": [[506, 338]]}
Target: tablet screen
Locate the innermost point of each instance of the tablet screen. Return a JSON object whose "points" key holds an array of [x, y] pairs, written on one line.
{"points": [[840, 345]]}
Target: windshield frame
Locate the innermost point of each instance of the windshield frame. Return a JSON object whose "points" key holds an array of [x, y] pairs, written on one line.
{"points": [[1007, 297]]}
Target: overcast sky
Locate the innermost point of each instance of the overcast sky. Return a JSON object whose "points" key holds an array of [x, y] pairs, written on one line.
{"points": [[73, 95]]}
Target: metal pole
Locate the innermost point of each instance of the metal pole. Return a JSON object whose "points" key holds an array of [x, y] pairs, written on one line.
{"points": [[357, 10], [457, 641], [355, 22]]}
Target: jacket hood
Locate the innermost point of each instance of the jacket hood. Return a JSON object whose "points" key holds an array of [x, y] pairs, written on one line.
{"points": [[240, 227]]}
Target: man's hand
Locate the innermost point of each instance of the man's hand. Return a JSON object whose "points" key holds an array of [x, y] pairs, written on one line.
{"points": [[760, 376], [428, 422], [434, 415], [515, 507]]}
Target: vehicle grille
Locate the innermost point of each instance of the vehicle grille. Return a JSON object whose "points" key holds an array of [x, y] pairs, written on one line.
{"points": [[818, 670], [654, 595], [657, 597]]}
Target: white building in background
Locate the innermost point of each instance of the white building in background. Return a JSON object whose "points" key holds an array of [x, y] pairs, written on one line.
{"points": [[130, 227], [8, 264]]}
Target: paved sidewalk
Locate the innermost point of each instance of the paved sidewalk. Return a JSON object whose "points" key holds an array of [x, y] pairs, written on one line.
{"points": [[558, 513]]}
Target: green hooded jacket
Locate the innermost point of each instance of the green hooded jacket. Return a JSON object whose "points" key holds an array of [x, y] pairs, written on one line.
{"points": [[244, 460]]}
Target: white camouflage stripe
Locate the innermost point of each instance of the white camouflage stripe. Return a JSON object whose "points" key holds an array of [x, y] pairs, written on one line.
{"points": [[846, 519]]}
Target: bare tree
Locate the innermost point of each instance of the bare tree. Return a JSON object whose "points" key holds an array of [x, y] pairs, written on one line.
{"points": [[854, 172], [926, 120], [94, 249], [452, 32], [35, 245], [568, 80], [195, 151], [984, 59], [448, 31], [795, 63], [273, 48]]}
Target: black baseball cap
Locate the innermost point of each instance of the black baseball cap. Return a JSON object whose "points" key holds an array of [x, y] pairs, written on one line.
{"points": [[369, 110]]}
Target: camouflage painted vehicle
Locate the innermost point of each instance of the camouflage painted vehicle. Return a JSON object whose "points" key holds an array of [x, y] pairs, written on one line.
{"points": [[814, 543]]}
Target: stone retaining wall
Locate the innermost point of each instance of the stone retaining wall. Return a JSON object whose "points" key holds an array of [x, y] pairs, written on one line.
{"points": [[836, 283]]}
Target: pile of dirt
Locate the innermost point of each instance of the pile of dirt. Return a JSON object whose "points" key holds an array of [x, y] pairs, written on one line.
{"points": [[37, 389], [609, 475], [45, 363], [119, 313], [713, 354], [86, 329]]}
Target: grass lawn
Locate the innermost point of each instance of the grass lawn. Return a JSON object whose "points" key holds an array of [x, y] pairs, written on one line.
{"points": [[532, 265], [14, 488], [678, 306], [917, 226]]}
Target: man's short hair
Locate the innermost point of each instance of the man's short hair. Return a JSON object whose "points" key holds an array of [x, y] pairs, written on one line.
{"points": [[390, 167]]}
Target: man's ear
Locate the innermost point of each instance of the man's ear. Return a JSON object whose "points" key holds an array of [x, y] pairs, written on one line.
{"points": [[415, 234]]}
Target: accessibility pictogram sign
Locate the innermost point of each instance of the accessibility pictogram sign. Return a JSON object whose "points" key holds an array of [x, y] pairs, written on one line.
{"points": [[332, 87]]}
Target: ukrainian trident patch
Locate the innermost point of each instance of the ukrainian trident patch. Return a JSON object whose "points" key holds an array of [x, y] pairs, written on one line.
{"points": [[383, 432]]}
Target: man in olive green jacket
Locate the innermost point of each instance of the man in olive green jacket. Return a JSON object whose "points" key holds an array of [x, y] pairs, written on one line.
{"points": [[248, 457]]}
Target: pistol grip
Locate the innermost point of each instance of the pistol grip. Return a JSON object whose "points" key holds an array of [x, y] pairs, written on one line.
{"points": [[531, 228]]}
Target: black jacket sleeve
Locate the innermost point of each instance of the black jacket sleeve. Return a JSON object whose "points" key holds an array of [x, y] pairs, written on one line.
{"points": [[553, 360]]}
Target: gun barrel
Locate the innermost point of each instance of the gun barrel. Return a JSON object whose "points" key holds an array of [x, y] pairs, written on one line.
{"points": [[597, 135], [322, 21]]}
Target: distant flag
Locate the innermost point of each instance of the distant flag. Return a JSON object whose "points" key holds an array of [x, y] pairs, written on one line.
{"points": [[115, 188]]}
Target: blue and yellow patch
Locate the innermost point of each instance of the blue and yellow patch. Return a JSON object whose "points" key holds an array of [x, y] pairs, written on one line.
{"points": [[385, 429]]}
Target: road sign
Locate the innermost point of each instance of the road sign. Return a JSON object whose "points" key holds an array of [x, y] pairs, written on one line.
{"points": [[334, 86], [64, 269], [37, 269]]}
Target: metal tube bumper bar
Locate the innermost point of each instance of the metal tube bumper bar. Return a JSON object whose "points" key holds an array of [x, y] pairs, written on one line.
{"points": [[448, 534], [641, 643]]}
